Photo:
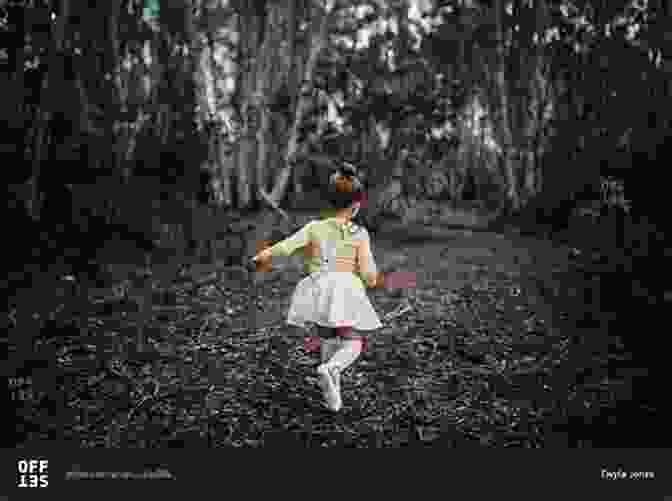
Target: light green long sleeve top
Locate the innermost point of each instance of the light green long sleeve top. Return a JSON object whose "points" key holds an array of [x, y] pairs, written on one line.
{"points": [[327, 242]]}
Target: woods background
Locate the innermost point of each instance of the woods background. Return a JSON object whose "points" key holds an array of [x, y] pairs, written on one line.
{"points": [[162, 114]]}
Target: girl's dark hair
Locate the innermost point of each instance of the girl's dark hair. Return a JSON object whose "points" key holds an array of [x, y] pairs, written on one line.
{"points": [[344, 187]]}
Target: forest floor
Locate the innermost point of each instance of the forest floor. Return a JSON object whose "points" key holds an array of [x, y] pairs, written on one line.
{"points": [[488, 354]]}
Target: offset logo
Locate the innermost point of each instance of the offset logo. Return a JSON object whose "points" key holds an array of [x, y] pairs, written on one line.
{"points": [[33, 473]]}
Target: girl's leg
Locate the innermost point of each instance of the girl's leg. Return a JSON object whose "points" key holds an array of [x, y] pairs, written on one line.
{"points": [[328, 348], [350, 349], [338, 353], [329, 379], [329, 342]]}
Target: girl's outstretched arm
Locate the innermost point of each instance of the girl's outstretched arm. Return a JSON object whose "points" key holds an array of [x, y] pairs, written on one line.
{"points": [[368, 270], [285, 247], [366, 264]]}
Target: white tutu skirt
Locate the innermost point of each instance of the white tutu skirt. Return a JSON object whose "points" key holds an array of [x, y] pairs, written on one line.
{"points": [[332, 299]]}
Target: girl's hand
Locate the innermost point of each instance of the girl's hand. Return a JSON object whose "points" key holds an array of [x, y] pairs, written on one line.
{"points": [[399, 280], [262, 261], [264, 255]]}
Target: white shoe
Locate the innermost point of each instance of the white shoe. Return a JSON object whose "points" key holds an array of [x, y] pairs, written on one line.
{"points": [[329, 347], [331, 388], [335, 374]]}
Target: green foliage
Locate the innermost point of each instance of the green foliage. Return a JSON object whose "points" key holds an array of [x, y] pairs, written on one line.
{"points": [[151, 9]]}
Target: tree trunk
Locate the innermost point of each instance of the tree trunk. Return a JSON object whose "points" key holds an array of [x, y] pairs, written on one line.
{"points": [[267, 85], [317, 43], [14, 104], [224, 167], [504, 122], [247, 148], [293, 15], [49, 99], [216, 71], [538, 108], [118, 124], [276, 218]]}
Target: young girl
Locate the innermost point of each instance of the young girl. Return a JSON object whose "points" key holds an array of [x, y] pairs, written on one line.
{"points": [[338, 258]]}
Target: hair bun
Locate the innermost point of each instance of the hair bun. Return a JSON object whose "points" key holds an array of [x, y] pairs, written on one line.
{"points": [[344, 186], [342, 183], [348, 170], [345, 179]]}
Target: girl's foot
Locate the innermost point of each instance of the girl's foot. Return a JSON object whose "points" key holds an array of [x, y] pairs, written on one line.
{"points": [[331, 389], [335, 374]]}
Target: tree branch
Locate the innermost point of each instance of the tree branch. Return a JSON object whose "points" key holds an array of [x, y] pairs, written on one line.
{"points": [[316, 47]]}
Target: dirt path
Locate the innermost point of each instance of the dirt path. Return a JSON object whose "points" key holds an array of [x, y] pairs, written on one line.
{"points": [[456, 258], [479, 358]]}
